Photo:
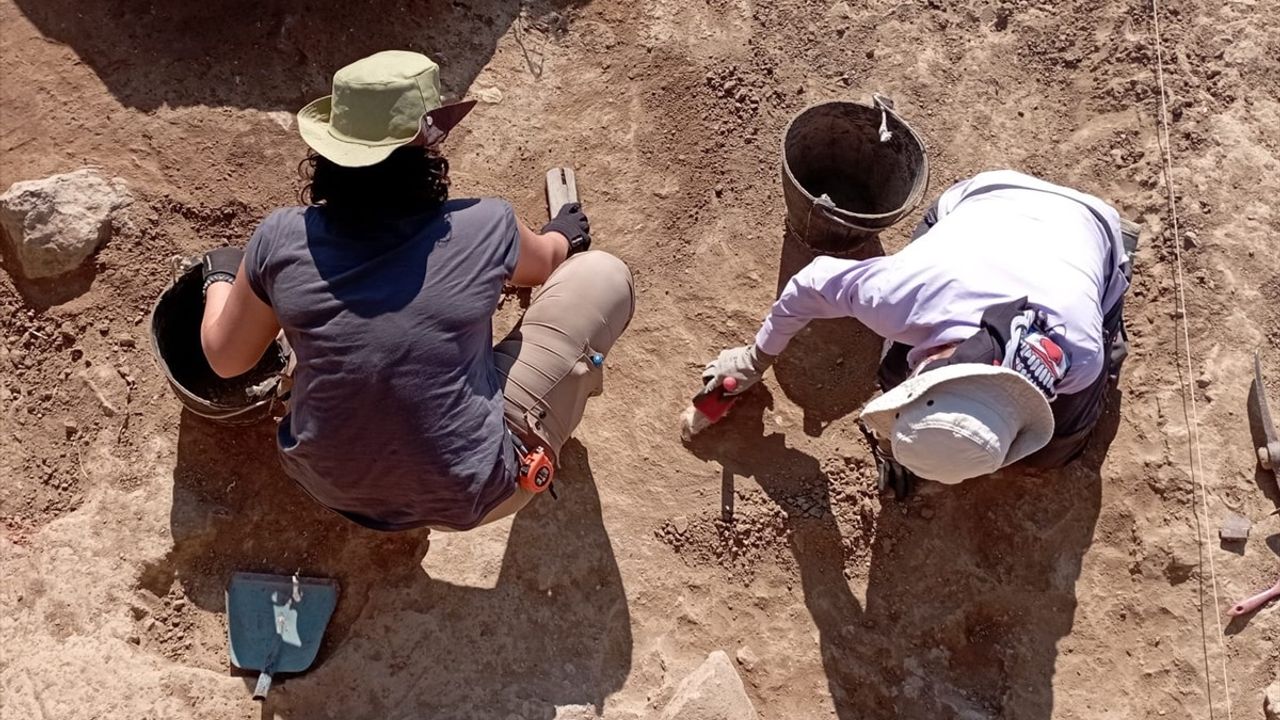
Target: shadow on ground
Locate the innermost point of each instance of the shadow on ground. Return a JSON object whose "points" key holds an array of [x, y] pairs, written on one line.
{"points": [[829, 368], [969, 590], [1266, 480], [278, 54], [555, 630]]}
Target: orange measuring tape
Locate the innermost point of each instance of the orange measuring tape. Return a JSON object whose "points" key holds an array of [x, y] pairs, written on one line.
{"points": [[537, 472]]}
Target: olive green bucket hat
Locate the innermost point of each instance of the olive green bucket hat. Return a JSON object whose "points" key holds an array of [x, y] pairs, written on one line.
{"points": [[379, 103]]}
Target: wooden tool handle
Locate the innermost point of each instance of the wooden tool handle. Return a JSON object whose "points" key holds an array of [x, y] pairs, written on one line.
{"points": [[562, 189]]}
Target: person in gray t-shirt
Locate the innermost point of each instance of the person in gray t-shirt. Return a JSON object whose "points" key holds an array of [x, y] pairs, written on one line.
{"points": [[403, 414]]}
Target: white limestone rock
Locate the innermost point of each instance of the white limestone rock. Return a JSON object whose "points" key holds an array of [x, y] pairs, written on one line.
{"points": [[56, 223], [712, 692]]}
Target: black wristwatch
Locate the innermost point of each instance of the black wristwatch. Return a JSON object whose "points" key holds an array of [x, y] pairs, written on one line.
{"points": [[216, 277], [579, 243], [220, 265]]}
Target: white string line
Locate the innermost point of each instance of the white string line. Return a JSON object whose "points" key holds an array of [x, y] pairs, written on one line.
{"points": [[1193, 421]]}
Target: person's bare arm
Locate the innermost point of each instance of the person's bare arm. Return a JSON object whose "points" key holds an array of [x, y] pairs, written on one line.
{"points": [[539, 256], [237, 327]]}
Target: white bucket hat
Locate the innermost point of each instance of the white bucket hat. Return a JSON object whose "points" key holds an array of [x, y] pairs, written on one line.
{"points": [[961, 421]]}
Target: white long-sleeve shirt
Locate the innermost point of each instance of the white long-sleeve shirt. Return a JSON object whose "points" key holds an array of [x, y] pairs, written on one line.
{"points": [[999, 236]]}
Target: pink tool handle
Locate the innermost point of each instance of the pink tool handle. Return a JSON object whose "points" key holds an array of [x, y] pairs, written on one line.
{"points": [[1255, 602]]}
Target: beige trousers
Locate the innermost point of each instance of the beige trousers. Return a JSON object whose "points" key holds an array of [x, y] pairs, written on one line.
{"points": [[546, 363]]}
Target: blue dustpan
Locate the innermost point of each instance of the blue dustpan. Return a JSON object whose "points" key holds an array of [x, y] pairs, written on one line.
{"points": [[274, 623]]}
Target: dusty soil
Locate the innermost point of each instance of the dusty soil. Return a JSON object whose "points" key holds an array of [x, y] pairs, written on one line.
{"points": [[1075, 594]]}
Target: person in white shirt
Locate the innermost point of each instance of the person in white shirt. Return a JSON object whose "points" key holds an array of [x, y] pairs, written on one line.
{"points": [[1003, 325]]}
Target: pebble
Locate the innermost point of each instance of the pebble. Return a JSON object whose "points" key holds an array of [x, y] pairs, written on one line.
{"points": [[72, 428], [126, 342], [747, 658], [491, 95], [680, 524], [927, 513], [134, 640]]}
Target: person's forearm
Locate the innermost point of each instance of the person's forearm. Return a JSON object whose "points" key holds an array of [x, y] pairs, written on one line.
{"points": [[215, 300], [823, 289], [559, 248], [540, 255]]}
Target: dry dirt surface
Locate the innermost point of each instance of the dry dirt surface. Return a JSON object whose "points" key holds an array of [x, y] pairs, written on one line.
{"points": [[1080, 594]]}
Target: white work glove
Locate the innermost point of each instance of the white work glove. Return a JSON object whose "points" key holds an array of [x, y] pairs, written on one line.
{"points": [[746, 364]]}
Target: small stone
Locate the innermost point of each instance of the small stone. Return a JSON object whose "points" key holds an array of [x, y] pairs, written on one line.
{"points": [[134, 640], [680, 524], [71, 427], [56, 223], [149, 625], [927, 513], [840, 11], [179, 603], [746, 658], [1271, 701], [125, 341], [1190, 240], [491, 95], [575, 712], [1234, 528], [712, 692]]}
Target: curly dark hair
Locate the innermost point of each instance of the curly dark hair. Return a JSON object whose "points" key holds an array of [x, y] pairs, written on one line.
{"points": [[411, 180]]}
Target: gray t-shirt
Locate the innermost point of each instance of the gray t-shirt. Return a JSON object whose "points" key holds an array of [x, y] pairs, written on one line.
{"points": [[396, 416]]}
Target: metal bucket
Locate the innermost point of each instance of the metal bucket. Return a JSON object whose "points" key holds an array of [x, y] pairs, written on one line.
{"points": [[848, 172], [175, 342]]}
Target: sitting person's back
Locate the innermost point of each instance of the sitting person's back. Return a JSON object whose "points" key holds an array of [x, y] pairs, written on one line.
{"points": [[403, 413], [396, 394]]}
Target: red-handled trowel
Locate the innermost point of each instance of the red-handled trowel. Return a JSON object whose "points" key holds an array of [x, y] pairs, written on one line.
{"points": [[708, 407]]}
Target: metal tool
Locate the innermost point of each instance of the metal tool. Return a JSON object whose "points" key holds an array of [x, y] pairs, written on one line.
{"points": [[1250, 604], [1268, 454], [707, 408], [275, 622]]}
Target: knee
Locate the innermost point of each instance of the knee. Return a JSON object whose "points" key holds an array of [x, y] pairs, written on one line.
{"points": [[606, 271], [600, 264]]}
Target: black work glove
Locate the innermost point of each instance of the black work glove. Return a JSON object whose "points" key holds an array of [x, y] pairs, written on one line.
{"points": [[573, 224], [220, 265]]}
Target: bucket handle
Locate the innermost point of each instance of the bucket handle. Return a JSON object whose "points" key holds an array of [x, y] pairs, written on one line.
{"points": [[827, 206], [884, 104]]}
